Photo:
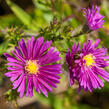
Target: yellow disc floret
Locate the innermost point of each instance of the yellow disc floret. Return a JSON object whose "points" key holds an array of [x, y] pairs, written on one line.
{"points": [[89, 60], [31, 67]]}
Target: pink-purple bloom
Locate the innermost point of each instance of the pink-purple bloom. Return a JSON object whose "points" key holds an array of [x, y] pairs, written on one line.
{"points": [[70, 60], [88, 66], [33, 65], [94, 19]]}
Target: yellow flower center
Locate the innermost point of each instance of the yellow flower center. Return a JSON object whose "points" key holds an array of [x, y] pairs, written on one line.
{"points": [[89, 60], [31, 67]]}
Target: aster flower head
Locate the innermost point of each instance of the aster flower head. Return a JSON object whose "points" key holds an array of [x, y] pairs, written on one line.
{"points": [[94, 19], [33, 64], [71, 58], [90, 66]]}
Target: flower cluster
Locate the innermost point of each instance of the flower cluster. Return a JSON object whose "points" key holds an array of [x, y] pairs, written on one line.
{"points": [[86, 65], [33, 64]]}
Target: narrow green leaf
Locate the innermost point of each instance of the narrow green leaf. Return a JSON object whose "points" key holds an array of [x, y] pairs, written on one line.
{"points": [[3, 47], [20, 13]]}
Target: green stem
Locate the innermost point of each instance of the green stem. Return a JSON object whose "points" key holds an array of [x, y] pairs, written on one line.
{"points": [[77, 35]]}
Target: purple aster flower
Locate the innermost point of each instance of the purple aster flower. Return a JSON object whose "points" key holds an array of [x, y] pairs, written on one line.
{"points": [[34, 64], [90, 66], [71, 58], [93, 18], [92, 63]]}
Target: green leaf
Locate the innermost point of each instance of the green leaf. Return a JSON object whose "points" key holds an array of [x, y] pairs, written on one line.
{"points": [[9, 20], [58, 103], [3, 47], [67, 10], [21, 14], [105, 8]]}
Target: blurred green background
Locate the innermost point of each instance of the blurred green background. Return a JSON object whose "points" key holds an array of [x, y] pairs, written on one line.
{"points": [[56, 20]]}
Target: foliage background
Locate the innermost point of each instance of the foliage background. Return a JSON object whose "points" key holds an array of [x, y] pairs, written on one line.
{"points": [[56, 20]]}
